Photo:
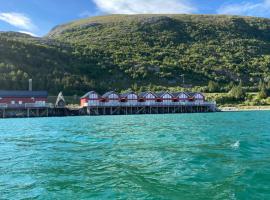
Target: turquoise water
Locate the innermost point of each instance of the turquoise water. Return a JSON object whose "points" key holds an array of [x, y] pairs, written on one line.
{"points": [[185, 156]]}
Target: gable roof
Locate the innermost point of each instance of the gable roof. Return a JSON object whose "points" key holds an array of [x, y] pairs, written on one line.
{"points": [[176, 94], [161, 94], [23, 94], [88, 93], [124, 95], [192, 94], [107, 94], [143, 94]]}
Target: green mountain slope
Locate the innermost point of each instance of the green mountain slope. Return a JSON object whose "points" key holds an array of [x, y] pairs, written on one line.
{"points": [[121, 51]]}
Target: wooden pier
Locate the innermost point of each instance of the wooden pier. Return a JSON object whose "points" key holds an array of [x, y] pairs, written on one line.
{"points": [[48, 110], [154, 108]]}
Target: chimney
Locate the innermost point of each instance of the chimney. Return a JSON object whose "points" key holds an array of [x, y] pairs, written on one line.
{"points": [[30, 85]]}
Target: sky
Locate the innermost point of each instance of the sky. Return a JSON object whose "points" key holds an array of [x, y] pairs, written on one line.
{"points": [[38, 17]]}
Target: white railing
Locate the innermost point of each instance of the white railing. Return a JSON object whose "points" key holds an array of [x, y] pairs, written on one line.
{"points": [[135, 104], [39, 105], [27, 105], [3, 105]]}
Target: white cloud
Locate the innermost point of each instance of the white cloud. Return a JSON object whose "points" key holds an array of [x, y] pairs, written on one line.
{"points": [[18, 20], [145, 6], [261, 9], [29, 33]]}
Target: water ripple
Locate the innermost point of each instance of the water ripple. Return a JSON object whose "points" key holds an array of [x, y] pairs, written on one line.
{"points": [[187, 156]]}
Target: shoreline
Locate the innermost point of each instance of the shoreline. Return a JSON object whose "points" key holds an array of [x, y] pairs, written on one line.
{"points": [[244, 108]]}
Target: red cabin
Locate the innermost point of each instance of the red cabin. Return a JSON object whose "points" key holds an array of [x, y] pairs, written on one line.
{"points": [[90, 98], [20, 97]]}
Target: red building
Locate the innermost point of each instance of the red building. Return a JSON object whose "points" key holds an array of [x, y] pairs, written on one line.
{"points": [[90, 98], [20, 97]]}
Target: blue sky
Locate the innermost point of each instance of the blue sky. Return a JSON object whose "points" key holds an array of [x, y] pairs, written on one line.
{"points": [[37, 17]]}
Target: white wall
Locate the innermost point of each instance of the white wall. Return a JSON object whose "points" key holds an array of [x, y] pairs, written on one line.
{"points": [[93, 99], [113, 98], [199, 97], [150, 98], [132, 98], [167, 98], [183, 97]]}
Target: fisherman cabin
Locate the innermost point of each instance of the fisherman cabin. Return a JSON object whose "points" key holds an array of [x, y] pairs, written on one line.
{"points": [[181, 97], [147, 97], [90, 98], [165, 97], [197, 97], [129, 97], [111, 97], [19, 98]]}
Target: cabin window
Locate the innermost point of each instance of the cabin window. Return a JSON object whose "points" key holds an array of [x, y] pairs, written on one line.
{"points": [[12, 102], [20, 102]]}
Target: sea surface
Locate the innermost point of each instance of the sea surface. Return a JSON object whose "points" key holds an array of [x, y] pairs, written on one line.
{"points": [[177, 156]]}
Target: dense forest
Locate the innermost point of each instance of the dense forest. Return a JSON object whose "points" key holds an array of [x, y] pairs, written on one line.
{"points": [[140, 52]]}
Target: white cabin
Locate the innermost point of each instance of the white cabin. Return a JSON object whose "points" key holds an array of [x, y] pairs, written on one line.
{"points": [[148, 97], [165, 97], [198, 97], [129, 97], [90, 98], [181, 96], [111, 97]]}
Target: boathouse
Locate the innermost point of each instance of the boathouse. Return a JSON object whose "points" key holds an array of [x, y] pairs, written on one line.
{"points": [[165, 97], [148, 97], [90, 98], [196, 97], [21, 97], [112, 103], [129, 97], [181, 97], [111, 97]]}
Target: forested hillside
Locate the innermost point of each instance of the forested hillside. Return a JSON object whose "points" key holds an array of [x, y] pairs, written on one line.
{"points": [[139, 51]]}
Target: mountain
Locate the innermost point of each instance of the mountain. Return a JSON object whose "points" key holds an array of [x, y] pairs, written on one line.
{"points": [[138, 51]]}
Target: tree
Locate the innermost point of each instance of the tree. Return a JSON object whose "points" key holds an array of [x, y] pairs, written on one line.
{"points": [[237, 92], [213, 86], [263, 94]]}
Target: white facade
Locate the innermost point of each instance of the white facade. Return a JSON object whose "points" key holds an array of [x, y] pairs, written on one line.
{"points": [[183, 97], [198, 97], [167, 98], [150, 98], [93, 98], [113, 98], [132, 98]]}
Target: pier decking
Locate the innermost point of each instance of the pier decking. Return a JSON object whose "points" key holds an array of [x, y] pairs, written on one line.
{"points": [[148, 108]]}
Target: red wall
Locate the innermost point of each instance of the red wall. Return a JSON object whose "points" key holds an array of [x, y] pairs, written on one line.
{"points": [[8, 100], [83, 101]]}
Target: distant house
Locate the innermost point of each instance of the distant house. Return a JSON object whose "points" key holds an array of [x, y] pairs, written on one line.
{"points": [[111, 97], [196, 97], [148, 97], [90, 98], [181, 97], [165, 97], [21, 97], [129, 97]]}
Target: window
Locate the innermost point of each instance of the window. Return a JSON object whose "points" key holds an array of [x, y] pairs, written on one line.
{"points": [[12, 102], [20, 102]]}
